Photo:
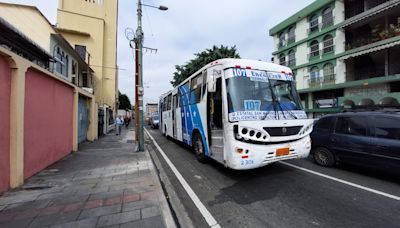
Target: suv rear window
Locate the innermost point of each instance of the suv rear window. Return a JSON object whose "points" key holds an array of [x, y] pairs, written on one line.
{"points": [[324, 124], [388, 128], [355, 125]]}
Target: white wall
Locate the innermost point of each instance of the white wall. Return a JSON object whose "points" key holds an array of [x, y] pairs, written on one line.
{"points": [[302, 52], [302, 76], [301, 29]]}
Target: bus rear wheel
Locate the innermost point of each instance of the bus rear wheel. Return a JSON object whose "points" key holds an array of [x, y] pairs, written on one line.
{"points": [[198, 147]]}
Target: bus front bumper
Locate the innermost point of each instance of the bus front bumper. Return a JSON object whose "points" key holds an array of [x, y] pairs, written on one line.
{"points": [[254, 156]]}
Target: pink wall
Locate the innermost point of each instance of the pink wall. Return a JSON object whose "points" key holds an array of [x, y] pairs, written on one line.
{"points": [[48, 121], [5, 88]]}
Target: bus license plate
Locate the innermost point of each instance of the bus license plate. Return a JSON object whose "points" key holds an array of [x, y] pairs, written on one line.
{"points": [[282, 151]]}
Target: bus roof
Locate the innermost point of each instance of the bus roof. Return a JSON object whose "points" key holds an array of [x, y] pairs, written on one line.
{"points": [[242, 63]]}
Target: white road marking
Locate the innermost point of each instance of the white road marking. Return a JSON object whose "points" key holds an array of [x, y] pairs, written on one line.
{"points": [[203, 210], [344, 182]]}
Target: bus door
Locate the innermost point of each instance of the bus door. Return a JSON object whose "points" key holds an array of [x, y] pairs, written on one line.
{"points": [[174, 107], [215, 124]]}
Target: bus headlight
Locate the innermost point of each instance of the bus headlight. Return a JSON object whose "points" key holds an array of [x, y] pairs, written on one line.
{"points": [[306, 129]]}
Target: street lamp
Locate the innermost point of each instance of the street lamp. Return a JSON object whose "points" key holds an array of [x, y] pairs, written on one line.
{"points": [[139, 76]]}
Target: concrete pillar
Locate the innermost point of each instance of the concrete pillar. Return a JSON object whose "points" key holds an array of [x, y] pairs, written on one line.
{"points": [[17, 116], [92, 131], [75, 121]]}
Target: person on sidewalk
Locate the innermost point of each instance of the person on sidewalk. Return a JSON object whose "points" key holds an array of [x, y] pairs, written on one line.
{"points": [[119, 122]]}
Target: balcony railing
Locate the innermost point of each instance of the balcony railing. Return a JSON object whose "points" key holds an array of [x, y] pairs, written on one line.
{"points": [[328, 49], [313, 54], [377, 36], [314, 28], [320, 81]]}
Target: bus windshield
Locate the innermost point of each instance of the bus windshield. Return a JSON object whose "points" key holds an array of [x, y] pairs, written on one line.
{"points": [[248, 96]]}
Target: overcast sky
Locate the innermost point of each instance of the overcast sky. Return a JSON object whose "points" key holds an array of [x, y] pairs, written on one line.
{"points": [[189, 27]]}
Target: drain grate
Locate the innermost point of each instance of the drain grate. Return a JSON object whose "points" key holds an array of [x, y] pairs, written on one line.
{"points": [[36, 187]]}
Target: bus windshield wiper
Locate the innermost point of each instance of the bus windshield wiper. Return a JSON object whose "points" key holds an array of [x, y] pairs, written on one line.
{"points": [[289, 111], [274, 100]]}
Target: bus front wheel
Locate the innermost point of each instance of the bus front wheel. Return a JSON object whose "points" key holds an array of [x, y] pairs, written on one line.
{"points": [[198, 147]]}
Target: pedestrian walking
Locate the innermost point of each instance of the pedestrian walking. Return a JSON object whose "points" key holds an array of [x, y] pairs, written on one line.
{"points": [[118, 124]]}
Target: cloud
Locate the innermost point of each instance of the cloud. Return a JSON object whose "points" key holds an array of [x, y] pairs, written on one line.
{"points": [[189, 27]]}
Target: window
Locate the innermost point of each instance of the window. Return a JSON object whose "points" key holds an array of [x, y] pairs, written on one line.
{"points": [[282, 59], [387, 128], [184, 93], [165, 104], [329, 72], [291, 35], [175, 102], [328, 44], [84, 80], [282, 39], [325, 124], [313, 24], [169, 101], [195, 92], [327, 17], [314, 74], [62, 60], [81, 51], [292, 58], [355, 125], [314, 49]]}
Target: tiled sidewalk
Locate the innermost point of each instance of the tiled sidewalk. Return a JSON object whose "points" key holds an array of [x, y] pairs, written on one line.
{"points": [[105, 184]]}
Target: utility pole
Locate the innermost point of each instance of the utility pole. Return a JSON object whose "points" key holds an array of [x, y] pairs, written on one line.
{"points": [[139, 82], [139, 92]]}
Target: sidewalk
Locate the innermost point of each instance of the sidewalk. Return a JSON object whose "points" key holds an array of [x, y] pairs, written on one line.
{"points": [[105, 184]]}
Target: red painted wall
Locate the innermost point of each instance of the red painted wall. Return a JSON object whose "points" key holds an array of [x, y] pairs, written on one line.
{"points": [[48, 121], [5, 88]]}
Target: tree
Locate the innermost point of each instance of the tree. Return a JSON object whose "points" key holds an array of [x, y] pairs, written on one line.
{"points": [[203, 58], [124, 102]]}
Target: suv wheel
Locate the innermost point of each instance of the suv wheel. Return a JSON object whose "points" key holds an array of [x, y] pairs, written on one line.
{"points": [[324, 157]]}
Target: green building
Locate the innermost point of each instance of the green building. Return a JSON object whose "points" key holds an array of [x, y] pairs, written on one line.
{"points": [[343, 53]]}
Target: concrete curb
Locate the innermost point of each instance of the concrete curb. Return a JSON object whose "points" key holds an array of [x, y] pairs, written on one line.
{"points": [[164, 207], [175, 202]]}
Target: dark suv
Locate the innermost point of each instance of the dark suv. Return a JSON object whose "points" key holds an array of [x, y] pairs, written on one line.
{"points": [[363, 138]]}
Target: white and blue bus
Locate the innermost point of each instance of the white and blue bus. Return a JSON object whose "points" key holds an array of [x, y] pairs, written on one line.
{"points": [[242, 113]]}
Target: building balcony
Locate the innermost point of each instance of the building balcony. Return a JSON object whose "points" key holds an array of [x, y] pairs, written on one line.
{"points": [[321, 81], [314, 54], [377, 36], [360, 8], [291, 39], [380, 23], [328, 49], [314, 28]]}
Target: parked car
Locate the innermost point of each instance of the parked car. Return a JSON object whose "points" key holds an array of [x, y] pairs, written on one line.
{"points": [[370, 139], [154, 120]]}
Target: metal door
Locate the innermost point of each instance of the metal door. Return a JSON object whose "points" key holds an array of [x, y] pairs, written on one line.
{"points": [[83, 119]]}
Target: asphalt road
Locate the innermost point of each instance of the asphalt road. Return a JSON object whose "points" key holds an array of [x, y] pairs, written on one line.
{"points": [[279, 195]]}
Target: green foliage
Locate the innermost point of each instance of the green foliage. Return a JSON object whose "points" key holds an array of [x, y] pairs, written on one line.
{"points": [[203, 58], [124, 102]]}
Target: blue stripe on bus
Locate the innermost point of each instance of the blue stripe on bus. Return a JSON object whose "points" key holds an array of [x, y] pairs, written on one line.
{"points": [[194, 122]]}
